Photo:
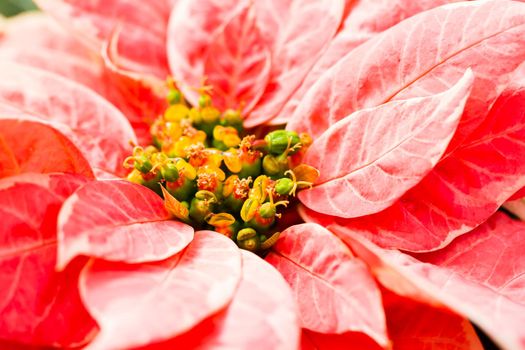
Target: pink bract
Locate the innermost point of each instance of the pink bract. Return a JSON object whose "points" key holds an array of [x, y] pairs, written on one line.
{"points": [[416, 112]]}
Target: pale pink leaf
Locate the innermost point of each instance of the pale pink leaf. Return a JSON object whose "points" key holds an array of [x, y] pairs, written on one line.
{"points": [[421, 56], [102, 129], [486, 290], [38, 306], [335, 292], [36, 39], [140, 304], [262, 315], [411, 325], [118, 221], [237, 63], [366, 19], [393, 147], [461, 192], [298, 32], [189, 40], [31, 146], [141, 97], [143, 22]]}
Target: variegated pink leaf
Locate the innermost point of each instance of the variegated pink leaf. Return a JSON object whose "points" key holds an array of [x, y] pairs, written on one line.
{"points": [[334, 291], [38, 306], [118, 221], [141, 97], [36, 40], [31, 146], [188, 41], [421, 56], [368, 160], [298, 32], [144, 25], [462, 191], [104, 132], [263, 308], [479, 276], [141, 304], [411, 325], [366, 19], [414, 325], [237, 63]]}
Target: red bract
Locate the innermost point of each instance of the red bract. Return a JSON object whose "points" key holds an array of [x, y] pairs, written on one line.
{"points": [[470, 276], [417, 126], [318, 266], [131, 227], [31, 146], [39, 306]]}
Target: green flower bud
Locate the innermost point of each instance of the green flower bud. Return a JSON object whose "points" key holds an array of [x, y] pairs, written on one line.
{"points": [[250, 169], [204, 101], [174, 96], [275, 167], [248, 239], [169, 172], [279, 141], [143, 164], [232, 118], [283, 186], [202, 206]]}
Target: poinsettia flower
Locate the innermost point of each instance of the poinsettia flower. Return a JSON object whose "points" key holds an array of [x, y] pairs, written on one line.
{"points": [[416, 133]]}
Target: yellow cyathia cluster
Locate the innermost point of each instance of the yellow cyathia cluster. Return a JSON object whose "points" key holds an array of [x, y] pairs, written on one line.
{"points": [[213, 176]]}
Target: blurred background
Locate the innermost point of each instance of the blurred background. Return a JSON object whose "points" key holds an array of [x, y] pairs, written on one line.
{"points": [[12, 7]]}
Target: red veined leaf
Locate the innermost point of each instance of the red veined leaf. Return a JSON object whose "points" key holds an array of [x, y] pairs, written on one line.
{"points": [[464, 189], [237, 63], [35, 39], [104, 131], [144, 25], [189, 40], [346, 341], [140, 304], [482, 283], [414, 325], [84, 145], [492, 255], [262, 315], [393, 147], [298, 31], [426, 53], [118, 221], [38, 306], [31, 146], [141, 97], [335, 292], [365, 20], [411, 325]]}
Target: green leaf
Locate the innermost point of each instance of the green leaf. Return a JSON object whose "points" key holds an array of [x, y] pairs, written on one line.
{"points": [[13, 7]]}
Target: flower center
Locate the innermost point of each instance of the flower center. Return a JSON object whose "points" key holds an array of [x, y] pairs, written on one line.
{"points": [[212, 174]]}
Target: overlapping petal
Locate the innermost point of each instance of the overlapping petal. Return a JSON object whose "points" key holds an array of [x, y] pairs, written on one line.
{"points": [[136, 305], [334, 291], [38, 306], [489, 290], [132, 226], [31, 146], [393, 147], [104, 133]]}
